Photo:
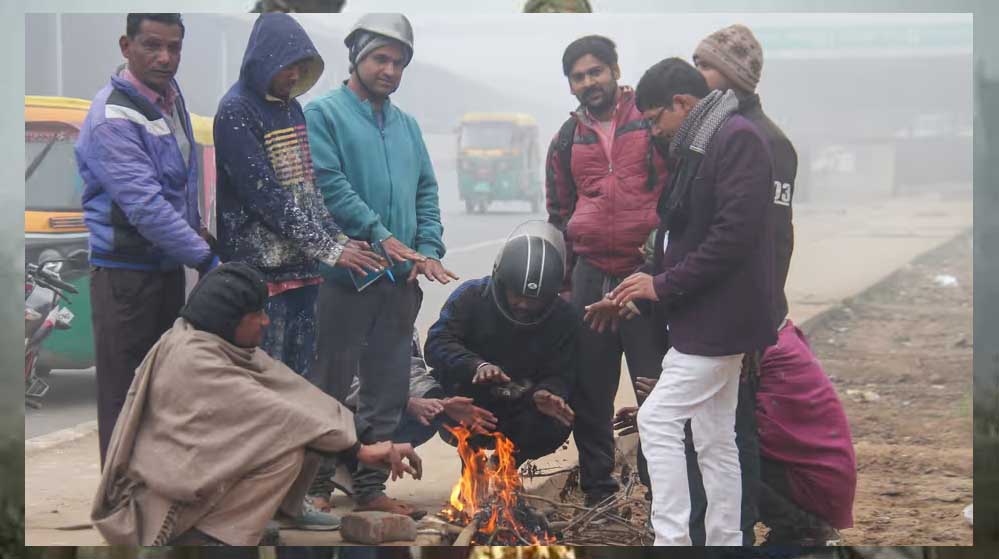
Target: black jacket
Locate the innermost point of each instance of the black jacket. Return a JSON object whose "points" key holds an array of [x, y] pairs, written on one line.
{"points": [[471, 331], [785, 168]]}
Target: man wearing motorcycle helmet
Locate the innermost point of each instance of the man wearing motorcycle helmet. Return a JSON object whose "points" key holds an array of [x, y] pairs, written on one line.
{"points": [[510, 342]]}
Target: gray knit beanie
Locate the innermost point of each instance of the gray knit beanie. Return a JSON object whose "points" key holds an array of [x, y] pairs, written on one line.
{"points": [[736, 53]]}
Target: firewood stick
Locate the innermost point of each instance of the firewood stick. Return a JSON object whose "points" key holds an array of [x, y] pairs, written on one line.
{"points": [[557, 525], [552, 502], [465, 537]]}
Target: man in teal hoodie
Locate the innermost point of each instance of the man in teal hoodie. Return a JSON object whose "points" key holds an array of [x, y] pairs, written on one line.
{"points": [[378, 182]]}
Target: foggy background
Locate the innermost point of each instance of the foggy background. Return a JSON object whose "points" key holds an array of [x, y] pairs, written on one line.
{"points": [[874, 103], [878, 106]]}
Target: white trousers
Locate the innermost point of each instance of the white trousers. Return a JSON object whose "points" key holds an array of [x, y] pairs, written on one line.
{"points": [[704, 390]]}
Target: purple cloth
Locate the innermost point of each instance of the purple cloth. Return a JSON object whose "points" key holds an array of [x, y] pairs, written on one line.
{"points": [[802, 424], [715, 280]]}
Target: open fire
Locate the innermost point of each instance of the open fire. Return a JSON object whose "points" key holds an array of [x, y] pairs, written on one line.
{"points": [[488, 495]]}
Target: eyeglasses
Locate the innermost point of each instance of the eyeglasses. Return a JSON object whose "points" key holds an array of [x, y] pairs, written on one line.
{"points": [[651, 121]]}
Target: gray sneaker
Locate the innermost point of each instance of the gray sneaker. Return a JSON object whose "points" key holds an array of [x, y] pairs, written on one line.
{"points": [[312, 519]]}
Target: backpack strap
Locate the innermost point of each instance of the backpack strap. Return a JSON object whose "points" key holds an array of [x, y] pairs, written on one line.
{"points": [[566, 136]]}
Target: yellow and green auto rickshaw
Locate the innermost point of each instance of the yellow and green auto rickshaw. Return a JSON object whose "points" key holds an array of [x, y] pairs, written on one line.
{"points": [[499, 159], [53, 212]]}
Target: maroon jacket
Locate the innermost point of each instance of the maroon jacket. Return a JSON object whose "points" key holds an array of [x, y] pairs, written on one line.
{"points": [[612, 209], [715, 278]]}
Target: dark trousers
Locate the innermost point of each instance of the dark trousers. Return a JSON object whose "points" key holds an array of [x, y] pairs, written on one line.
{"points": [[291, 336], [369, 335], [788, 523], [748, 443], [130, 311], [643, 340]]}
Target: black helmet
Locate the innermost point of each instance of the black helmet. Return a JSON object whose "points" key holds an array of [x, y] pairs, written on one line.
{"points": [[532, 265]]}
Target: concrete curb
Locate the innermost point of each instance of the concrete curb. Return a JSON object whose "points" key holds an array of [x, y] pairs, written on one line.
{"points": [[819, 319], [57, 438]]}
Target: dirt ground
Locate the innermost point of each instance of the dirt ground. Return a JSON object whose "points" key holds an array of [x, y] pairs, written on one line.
{"points": [[900, 356]]}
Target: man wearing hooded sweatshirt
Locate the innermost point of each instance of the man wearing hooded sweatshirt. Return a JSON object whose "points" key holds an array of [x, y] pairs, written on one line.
{"points": [[378, 182], [270, 213]]}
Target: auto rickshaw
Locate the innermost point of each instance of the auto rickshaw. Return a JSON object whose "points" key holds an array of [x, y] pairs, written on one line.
{"points": [[53, 212], [499, 159]]}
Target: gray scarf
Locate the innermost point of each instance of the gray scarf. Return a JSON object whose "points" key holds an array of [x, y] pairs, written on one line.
{"points": [[702, 122]]}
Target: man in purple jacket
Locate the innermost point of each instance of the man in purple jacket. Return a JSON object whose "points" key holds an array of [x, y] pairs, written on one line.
{"points": [[136, 156], [712, 276]]}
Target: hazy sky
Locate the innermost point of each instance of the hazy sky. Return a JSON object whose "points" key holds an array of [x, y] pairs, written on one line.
{"points": [[518, 51]]}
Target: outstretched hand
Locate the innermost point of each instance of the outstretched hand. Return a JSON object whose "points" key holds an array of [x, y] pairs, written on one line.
{"points": [[433, 270], [464, 411], [554, 406], [389, 455], [626, 421]]}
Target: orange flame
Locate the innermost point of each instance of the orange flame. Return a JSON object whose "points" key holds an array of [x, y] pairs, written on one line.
{"points": [[485, 481]]}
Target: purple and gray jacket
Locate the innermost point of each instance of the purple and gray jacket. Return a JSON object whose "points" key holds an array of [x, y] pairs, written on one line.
{"points": [[140, 200]]}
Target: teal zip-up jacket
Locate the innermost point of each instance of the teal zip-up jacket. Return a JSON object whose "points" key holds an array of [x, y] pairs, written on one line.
{"points": [[376, 182]]}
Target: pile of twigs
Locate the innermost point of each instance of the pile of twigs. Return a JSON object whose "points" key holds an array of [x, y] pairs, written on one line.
{"points": [[618, 520]]}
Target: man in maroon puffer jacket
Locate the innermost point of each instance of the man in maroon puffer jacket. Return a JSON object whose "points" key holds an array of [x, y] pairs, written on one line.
{"points": [[604, 178]]}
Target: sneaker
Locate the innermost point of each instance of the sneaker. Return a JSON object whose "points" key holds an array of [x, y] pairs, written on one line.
{"points": [[312, 519]]}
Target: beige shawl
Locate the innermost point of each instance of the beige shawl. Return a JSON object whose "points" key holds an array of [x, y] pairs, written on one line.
{"points": [[201, 414]]}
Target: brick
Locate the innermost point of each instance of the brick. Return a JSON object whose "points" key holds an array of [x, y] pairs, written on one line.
{"points": [[375, 527]]}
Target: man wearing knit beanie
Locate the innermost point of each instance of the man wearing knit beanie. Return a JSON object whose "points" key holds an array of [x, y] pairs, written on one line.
{"points": [[734, 53], [732, 58]]}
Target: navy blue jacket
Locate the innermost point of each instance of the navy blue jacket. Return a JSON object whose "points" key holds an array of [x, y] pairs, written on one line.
{"points": [[471, 330], [270, 213]]}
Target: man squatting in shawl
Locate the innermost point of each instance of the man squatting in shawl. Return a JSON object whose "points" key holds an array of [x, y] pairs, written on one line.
{"points": [[216, 437]]}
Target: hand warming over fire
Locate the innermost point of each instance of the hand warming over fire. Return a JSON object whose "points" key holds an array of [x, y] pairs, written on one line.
{"points": [[554, 406], [487, 372], [390, 455], [606, 314], [644, 386], [626, 421], [464, 411], [424, 409]]}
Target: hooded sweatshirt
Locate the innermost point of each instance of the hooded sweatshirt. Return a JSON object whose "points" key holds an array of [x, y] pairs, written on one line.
{"points": [[270, 213]]}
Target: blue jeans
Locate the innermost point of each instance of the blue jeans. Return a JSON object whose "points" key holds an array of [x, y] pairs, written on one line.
{"points": [[291, 336]]}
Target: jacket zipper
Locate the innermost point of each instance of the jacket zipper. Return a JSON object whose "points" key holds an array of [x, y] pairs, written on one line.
{"points": [[388, 168], [610, 172]]}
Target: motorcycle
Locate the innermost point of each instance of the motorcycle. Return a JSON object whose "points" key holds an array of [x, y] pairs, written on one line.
{"points": [[44, 290]]}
